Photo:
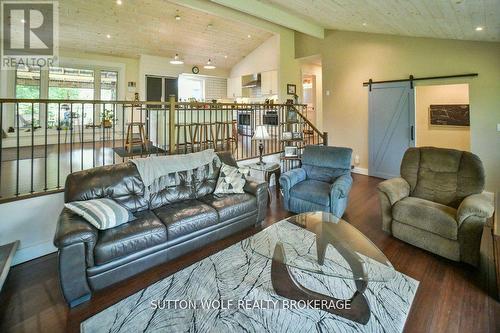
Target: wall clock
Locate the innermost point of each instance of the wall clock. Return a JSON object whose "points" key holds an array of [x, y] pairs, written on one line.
{"points": [[195, 70]]}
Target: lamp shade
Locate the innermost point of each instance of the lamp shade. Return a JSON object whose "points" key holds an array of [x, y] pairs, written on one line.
{"points": [[261, 133]]}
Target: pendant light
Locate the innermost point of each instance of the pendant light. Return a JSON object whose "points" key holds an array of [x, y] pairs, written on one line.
{"points": [[176, 60], [209, 65]]}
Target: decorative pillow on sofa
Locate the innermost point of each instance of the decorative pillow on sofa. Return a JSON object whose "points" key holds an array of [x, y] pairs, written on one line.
{"points": [[231, 179], [101, 213]]}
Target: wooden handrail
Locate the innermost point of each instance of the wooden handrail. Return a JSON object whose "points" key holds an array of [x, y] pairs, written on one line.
{"points": [[308, 122]]}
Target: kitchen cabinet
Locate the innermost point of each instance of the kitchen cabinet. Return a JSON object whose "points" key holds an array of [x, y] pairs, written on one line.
{"points": [[234, 87], [269, 83]]}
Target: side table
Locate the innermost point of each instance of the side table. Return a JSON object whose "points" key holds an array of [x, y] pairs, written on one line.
{"points": [[268, 169]]}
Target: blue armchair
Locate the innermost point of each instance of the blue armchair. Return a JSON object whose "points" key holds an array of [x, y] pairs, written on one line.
{"points": [[321, 184]]}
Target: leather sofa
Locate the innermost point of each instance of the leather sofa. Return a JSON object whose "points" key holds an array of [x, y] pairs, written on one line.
{"points": [[437, 204], [322, 183], [181, 219]]}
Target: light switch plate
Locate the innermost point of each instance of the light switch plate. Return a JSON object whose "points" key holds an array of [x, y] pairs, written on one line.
{"points": [[498, 127]]}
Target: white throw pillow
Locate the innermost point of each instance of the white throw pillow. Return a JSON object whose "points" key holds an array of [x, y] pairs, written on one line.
{"points": [[231, 179]]}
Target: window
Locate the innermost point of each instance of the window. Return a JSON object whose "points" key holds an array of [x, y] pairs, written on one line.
{"points": [[28, 86], [109, 83], [190, 87], [71, 84]]}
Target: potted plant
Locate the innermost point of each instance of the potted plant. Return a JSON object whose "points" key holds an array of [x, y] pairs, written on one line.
{"points": [[107, 118]]}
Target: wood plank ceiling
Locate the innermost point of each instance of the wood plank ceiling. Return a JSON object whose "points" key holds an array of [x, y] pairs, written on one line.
{"points": [[449, 19], [149, 27]]}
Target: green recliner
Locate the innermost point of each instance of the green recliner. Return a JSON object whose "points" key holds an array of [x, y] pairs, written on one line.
{"points": [[437, 204]]}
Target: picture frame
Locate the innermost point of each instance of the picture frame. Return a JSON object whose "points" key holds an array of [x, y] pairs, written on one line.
{"points": [[286, 135], [296, 135], [291, 89], [454, 115], [291, 151]]}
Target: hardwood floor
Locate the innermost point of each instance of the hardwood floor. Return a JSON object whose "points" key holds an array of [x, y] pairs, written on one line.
{"points": [[449, 297]]}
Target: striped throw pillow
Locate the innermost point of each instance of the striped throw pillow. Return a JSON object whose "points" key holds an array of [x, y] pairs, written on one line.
{"points": [[101, 213]]}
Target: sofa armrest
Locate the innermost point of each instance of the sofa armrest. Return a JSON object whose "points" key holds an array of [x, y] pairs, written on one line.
{"points": [[395, 189], [477, 205], [260, 190], [341, 187], [291, 178], [73, 229]]}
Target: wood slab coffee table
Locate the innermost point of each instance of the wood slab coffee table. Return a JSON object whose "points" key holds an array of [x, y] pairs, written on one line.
{"points": [[323, 244]]}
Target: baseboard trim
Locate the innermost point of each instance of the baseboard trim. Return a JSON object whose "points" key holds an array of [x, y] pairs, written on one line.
{"points": [[33, 252], [361, 171]]}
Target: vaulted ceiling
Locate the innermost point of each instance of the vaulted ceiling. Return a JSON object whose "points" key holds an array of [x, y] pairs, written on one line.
{"points": [[449, 19], [149, 27]]}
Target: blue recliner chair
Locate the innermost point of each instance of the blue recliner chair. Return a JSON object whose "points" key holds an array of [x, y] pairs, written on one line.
{"points": [[321, 184]]}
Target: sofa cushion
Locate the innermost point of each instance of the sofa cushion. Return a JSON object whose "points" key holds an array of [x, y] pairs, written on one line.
{"points": [[229, 206], [313, 191], [186, 217], [427, 215], [144, 232]]}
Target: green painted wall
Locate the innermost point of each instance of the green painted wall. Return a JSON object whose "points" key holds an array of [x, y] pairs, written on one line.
{"points": [[350, 58]]}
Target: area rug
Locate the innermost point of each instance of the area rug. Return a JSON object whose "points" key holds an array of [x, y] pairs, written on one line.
{"points": [[231, 291]]}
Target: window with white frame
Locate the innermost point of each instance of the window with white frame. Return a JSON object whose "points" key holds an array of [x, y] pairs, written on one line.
{"points": [[63, 83], [191, 88]]}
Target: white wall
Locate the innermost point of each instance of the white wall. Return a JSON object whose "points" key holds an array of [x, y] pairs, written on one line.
{"points": [[33, 222], [264, 58], [317, 71]]}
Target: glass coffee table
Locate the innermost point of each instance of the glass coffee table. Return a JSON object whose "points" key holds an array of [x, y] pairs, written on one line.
{"points": [[323, 244]]}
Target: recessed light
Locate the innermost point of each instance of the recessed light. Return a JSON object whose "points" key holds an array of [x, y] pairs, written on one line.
{"points": [[225, 57], [176, 60], [249, 36], [119, 2], [23, 21], [209, 65], [479, 28], [364, 24], [177, 17], [108, 36]]}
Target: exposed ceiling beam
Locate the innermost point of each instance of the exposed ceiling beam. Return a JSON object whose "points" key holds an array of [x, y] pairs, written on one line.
{"points": [[275, 15]]}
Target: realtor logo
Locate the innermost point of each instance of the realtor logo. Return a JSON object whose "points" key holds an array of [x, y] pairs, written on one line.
{"points": [[29, 33]]}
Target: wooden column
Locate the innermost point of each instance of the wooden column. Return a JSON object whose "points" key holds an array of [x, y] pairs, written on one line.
{"points": [[171, 125]]}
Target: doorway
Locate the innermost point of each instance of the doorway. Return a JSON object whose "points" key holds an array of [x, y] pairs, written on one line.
{"points": [[443, 116], [159, 88], [309, 96], [391, 130]]}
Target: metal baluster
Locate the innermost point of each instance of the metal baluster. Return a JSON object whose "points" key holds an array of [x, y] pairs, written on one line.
{"points": [[45, 141], [93, 136], [113, 123], [103, 130], [123, 131], [81, 137], [1, 145], [17, 149], [59, 144], [71, 138], [32, 144]]}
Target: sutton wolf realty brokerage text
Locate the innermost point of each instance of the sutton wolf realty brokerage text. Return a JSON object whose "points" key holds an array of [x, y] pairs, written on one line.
{"points": [[250, 304]]}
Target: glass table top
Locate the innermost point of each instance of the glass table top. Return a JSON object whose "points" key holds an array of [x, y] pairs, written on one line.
{"points": [[263, 167], [321, 243]]}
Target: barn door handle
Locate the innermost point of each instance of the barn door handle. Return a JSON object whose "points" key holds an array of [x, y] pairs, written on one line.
{"points": [[411, 133]]}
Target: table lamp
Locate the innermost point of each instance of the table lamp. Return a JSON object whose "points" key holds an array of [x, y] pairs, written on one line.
{"points": [[261, 134]]}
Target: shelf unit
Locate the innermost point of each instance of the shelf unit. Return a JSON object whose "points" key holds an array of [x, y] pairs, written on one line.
{"points": [[294, 124]]}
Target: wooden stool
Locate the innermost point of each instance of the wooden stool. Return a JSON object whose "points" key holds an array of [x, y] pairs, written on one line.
{"points": [[187, 129], [132, 140], [276, 171]]}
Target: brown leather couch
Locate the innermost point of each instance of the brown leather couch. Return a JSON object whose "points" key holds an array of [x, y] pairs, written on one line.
{"points": [[174, 221]]}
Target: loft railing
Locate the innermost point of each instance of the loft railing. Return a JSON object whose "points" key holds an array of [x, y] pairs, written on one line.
{"points": [[44, 140]]}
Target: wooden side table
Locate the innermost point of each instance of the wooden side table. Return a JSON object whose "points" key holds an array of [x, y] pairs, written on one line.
{"points": [[268, 169]]}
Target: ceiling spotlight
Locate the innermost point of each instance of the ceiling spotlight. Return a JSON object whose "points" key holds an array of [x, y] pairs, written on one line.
{"points": [[209, 65], [119, 2], [23, 21], [225, 57], [177, 17], [108, 36], [479, 28], [249, 36], [176, 60]]}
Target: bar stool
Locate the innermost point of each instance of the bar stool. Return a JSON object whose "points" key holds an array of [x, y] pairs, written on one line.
{"points": [[132, 140]]}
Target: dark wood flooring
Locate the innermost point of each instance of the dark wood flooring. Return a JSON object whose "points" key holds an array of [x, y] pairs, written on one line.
{"points": [[449, 298]]}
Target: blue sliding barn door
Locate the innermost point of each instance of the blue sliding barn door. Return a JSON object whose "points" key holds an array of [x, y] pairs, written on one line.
{"points": [[391, 108]]}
